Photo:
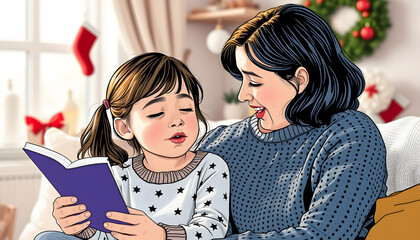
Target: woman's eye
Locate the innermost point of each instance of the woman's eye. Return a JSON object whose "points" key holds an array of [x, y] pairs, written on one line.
{"points": [[186, 109], [155, 115], [251, 84]]}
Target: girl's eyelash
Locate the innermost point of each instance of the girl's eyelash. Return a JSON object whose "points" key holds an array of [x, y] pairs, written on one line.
{"points": [[186, 109], [155, 115]]}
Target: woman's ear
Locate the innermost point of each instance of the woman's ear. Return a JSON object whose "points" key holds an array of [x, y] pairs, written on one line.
{"points": [[123, 129], [303, 78]]}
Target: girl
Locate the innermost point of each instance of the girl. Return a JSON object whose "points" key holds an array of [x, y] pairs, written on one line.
{"points": [[152, 102]]}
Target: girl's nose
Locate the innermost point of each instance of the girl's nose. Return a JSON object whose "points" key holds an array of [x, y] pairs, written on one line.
{"points": [[176, 122]]}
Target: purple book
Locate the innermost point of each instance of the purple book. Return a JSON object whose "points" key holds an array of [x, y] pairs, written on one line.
{"points": [[89, 179]]}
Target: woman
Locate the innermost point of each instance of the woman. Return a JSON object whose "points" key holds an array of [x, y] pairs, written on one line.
{"points": [[307, 165]]}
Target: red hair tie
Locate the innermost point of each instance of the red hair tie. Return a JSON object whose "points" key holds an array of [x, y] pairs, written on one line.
{"points": [[106, 104]]}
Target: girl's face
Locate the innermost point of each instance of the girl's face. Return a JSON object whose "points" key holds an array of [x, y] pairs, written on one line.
{"points": [[264, 91], [165, 125]]}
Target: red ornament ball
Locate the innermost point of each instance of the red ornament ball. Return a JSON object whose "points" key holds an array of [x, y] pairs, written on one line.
{"points": [[363, 5], [356, 34], [319, 1], [365, 14], [367, 33], [307, 3]]}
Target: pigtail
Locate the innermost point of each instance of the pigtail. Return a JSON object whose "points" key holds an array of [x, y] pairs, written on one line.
{"points": [[96, 140]]}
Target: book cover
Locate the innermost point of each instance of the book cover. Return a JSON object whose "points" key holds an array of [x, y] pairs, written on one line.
{"points": [[89, 179]]}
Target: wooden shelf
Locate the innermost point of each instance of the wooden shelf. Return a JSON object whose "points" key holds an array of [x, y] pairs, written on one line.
{"points": [[232, 15]]}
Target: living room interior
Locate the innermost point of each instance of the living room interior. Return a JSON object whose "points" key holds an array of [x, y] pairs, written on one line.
{"points": [[56, 58]]}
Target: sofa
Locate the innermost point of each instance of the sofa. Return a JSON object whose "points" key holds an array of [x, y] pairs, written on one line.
{"points": [[401, 137]]}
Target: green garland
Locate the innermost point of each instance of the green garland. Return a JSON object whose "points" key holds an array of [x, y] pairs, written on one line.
{"points": [[354, 46]]}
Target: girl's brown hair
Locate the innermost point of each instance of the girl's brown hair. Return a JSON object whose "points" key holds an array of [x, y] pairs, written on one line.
{"points": [[139, 77]]}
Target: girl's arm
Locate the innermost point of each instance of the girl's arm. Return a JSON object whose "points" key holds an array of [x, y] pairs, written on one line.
{"points": [[211, 216]]}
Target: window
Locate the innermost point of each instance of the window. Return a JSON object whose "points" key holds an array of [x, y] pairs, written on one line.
{"points": [[36, 57]]}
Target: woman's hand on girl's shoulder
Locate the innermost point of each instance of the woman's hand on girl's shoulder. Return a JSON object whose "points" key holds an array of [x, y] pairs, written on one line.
{"points": [[142, 227], [68, 215]]}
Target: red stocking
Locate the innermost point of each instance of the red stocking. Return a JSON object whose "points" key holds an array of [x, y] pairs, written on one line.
{"points": [[82, 44]]}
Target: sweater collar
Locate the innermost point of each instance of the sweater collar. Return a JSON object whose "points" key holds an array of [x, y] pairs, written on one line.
{"points": [[165, 177], [280, 135]]}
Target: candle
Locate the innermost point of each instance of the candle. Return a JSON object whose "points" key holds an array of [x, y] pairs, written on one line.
{"points": [[11, 117]]}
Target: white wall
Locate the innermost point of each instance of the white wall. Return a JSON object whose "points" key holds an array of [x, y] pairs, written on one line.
{"points": [[396, 57]]}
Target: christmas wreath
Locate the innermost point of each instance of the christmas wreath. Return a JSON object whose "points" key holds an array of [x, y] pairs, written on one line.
{"points": [[366, 35]]}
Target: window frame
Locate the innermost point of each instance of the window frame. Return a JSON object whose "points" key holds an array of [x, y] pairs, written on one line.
{"points": [[33, 48]]}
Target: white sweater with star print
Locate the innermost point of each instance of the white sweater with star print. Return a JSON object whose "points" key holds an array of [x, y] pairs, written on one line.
{"points": [[191, 203]]}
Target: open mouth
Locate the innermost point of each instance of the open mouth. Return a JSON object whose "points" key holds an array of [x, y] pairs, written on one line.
{"points": [[260, 111], [178, 138]]}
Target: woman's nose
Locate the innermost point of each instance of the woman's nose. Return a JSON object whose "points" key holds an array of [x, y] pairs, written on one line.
{"points": [[244, 93]]}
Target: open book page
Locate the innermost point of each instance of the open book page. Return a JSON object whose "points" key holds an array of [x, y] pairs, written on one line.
{"points": [[62, 159]]}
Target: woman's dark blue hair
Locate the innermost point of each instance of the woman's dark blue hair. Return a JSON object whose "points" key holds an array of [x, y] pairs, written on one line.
{"points": [[288, 37]]}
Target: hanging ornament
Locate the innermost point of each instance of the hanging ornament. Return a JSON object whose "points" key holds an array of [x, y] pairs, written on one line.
{"points": [[363, 5], [356, 34], [307, 3], [365, 14], [320, 1], [367, 33]]}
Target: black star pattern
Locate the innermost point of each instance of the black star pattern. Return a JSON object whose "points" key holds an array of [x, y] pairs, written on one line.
{"points": [[194, 197], [212, 166], [225, 196], [136, 189], [224, 175], [181, 190], [124, 178], [177, 211], [198, 235], [206, 204], [220, 219], [214, 226], [204, 214], [210, 189], [196, 224], [198, 173], [152, 208], [159, 193]]}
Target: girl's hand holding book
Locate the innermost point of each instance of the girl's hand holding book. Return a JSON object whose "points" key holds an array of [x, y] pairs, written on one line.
{"points": [[142, 227], [68, 215]]}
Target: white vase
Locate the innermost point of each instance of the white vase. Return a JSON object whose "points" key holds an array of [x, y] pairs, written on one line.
{"points": [[232, 111]]}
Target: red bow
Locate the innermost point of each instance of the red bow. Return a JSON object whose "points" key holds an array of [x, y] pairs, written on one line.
{"points": [[37, 126]]}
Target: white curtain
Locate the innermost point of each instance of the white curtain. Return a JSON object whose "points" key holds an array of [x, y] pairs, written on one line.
{"points": [[152, 26]]}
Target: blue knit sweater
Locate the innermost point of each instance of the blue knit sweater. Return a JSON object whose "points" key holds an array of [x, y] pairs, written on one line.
{"points": [[302, 182]]}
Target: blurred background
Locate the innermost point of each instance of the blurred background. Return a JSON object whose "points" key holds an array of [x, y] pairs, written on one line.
{"points": [[57, 56]]}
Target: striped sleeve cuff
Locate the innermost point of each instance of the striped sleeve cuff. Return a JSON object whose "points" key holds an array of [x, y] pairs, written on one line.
{"points": [[86, 233], [174, 232]]}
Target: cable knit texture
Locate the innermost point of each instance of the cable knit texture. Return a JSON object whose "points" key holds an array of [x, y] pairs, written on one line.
{"points": [[302, 182], [402, 139]]}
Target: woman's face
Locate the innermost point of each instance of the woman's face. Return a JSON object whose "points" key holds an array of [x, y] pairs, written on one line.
{"points": [[165, 125], [264, 91]]}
